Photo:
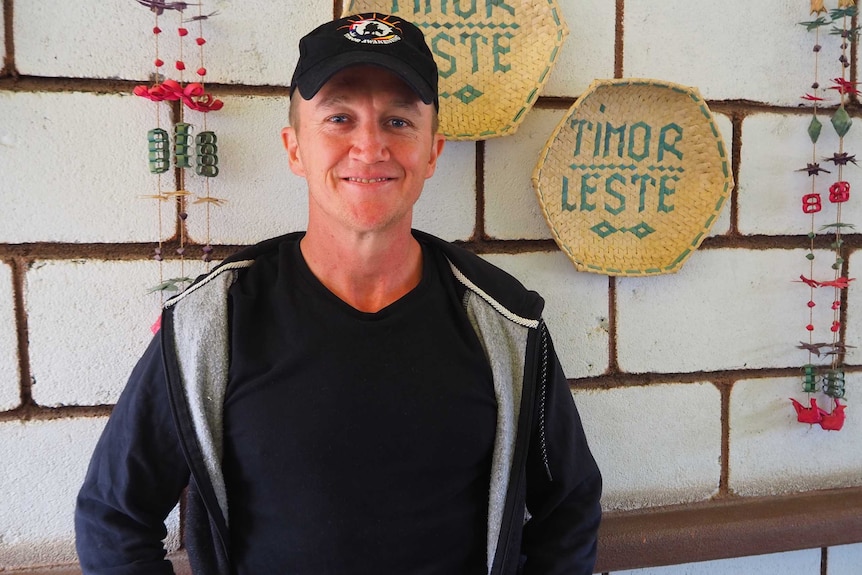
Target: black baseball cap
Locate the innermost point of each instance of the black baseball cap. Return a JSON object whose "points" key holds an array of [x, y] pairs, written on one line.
{"points": [[372, 38]]}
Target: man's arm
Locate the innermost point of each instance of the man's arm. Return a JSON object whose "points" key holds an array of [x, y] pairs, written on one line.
{"points": [[135, 477], [561, 535]]}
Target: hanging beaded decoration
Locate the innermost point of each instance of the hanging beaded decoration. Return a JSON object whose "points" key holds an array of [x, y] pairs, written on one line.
{"points": [[203, 146], [828, 379]]}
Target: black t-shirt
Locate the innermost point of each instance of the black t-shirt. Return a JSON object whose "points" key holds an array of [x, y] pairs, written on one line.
{"points": [[355, 442]]}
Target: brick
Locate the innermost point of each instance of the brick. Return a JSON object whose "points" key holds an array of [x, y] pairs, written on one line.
{"points": [[576, 308], [447, 207], [263, 197], [625, 425], [89, 322], [512, 210], [725, 128], [771, 188], [588, 51], [76, 177], [844, 559], [45, 463], [772, 453], [243, 46], [805, 562], [724, 55], [10, 393], [693, 320]]}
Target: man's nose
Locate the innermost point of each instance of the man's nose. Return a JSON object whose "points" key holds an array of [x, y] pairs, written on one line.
{"points": [[370, 144]]}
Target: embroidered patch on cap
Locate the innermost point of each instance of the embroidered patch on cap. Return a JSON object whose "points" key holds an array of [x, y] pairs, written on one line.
{"points": [[372, 31]]}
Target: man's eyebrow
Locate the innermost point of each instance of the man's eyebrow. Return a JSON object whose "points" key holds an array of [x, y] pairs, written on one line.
{"points": [[336, 100]]}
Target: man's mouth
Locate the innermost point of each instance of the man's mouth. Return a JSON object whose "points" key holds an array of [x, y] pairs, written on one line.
{"points": [[367, 180]]}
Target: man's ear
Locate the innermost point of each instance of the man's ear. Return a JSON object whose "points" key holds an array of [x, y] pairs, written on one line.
{"points": [[291, 144], [436, 150]]}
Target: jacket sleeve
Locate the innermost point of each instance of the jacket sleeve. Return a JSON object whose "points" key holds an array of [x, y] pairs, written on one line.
{"points": [[134, 480], [564, 485]]}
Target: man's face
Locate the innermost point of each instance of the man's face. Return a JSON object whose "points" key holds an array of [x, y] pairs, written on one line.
{"points": [[365, 145]]}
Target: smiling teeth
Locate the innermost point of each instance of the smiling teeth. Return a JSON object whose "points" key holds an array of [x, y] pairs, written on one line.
{"points": [[367, 180]]}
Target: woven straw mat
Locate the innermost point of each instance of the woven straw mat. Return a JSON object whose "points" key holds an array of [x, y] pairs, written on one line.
{"points": [[633, 178], [493, 57]]}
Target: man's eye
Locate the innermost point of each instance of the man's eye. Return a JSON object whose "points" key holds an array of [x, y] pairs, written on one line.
{"points": [[399, 123], [337, 119]]}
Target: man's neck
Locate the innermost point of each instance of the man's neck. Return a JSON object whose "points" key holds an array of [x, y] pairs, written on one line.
{"points": [[368, 272]]}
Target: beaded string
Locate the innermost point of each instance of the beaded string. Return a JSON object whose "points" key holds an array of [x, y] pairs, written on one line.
{"points": [[193, 96], [832, 382]]}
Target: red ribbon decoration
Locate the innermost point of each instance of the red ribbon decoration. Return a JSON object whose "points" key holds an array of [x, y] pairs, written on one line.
{"points": [[193, 95]]}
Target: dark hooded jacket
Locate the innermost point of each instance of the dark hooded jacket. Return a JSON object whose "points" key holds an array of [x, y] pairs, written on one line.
{"points": [[165, 434]]}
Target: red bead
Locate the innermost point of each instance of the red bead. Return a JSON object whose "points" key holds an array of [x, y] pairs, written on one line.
{"points": [[182, 31], [157, 30], [200, 41], [839, 192], [835, 326], [836, 304], [158, 62], [811, 304], [180, 65], [811, 203], [202, 71], [809, 327]]}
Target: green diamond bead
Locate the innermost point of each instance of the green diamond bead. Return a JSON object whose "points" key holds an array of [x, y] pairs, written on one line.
{"points": [[841, 122], [814, 129], [811, 235], [809, 256]]}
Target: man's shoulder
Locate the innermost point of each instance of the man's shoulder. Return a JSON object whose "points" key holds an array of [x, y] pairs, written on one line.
{"points": [[487, 280]]}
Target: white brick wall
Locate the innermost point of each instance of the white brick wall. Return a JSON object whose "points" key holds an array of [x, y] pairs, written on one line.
{"points": [[845, 559], [770, 188], [44, 463], [805, 562], [588, 51], [73, 166], [10, 395], [250, 42], [729, 50], [576, 308], [655, 446], [772, 453], [70, 172], [263, 197], [726, 309], [89, 323]]}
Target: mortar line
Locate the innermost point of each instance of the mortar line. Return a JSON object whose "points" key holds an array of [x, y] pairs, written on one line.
{"points": [[619, 41], [8, 68], [25, 382], [479, 224], [613, 360], [735, 159], [724, 477]]}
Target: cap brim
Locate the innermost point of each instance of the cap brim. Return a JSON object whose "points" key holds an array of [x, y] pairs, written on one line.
{"points": [[313, 80]]}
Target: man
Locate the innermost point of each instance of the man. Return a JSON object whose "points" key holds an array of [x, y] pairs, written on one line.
{"points": [[357, 398]]}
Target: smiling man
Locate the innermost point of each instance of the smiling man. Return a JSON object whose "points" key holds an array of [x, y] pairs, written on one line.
{"points": [[357, 398]]}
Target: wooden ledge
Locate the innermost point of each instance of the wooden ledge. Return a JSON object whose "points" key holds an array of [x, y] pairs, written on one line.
{"points": [[733, 527], [719, 529]]}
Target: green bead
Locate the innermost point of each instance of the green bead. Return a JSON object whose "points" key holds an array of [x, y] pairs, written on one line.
{"points": [[841, 122], [810, 256], [811, 235], [836, 265], [814, 129], [838, 243]]}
